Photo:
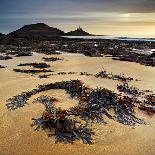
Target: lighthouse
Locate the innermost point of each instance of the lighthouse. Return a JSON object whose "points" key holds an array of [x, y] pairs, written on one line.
{"points": [[79, 28]]}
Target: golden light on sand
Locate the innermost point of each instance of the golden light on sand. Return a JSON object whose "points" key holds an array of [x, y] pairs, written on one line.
{"points": [[15, 126]]}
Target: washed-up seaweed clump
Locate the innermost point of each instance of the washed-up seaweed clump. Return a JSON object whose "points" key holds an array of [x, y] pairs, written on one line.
{"points": [[20, 100], [93, 105], [51, 59], [102, 74], [6, 57], [142, 59], [58, 123], [44, 76], [23, 53], [149, 104], [2, 66], [85, 73], [129, 90], [120, 77], [72, 72], [36, 65], [63, 73], [32, 71]]}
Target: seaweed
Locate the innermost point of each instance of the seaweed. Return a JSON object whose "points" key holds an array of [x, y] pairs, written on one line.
{"points": [[35, 65], [51, 59], [120, 77], [93, 104], [129, 90], [32, 71], [56, 120], [149, 104]]}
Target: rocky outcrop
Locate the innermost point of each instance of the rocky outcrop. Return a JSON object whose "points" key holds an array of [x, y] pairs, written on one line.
{"points": [[36, 30]]}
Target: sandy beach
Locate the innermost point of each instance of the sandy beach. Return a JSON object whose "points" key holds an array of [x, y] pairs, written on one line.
{"points": [[18, 137]]}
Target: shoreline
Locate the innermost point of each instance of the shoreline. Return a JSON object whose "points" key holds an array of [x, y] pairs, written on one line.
{"points": [[112, 37]]}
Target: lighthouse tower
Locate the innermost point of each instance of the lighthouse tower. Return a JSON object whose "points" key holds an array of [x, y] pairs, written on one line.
{"points": [[79, 28]]}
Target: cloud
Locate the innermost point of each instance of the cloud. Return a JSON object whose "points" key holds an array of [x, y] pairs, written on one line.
{"points": [[76, 6], [16, 13]]}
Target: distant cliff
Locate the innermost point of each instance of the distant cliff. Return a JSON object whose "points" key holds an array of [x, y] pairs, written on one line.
{"points": [[41, 30]]}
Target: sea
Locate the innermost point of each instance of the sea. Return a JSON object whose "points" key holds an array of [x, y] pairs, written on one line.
{"points": [[113, 37]]}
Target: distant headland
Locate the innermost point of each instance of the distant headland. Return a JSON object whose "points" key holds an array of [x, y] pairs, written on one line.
{"points": [[43, 30]]}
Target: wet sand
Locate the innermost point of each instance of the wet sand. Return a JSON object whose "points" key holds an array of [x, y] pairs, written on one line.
{"points": [[18, 137]]}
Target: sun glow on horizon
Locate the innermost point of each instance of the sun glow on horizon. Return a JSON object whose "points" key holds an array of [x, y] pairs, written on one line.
{"points": [[127, 15]]}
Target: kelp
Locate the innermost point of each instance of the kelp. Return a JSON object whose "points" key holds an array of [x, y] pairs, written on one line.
{"points": [[149, 104], [56, 120], [119, 77], [93, 105], [32, 71], [35, 65]]}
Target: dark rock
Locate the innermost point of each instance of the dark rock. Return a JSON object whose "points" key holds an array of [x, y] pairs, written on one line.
{"points": [[78, 32], [36, 30]]}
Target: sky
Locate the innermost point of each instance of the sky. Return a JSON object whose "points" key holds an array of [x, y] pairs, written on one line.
{"points": [[104, 17]]}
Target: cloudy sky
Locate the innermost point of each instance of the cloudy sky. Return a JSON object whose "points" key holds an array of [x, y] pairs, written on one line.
{"points": [[113, 17]]}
